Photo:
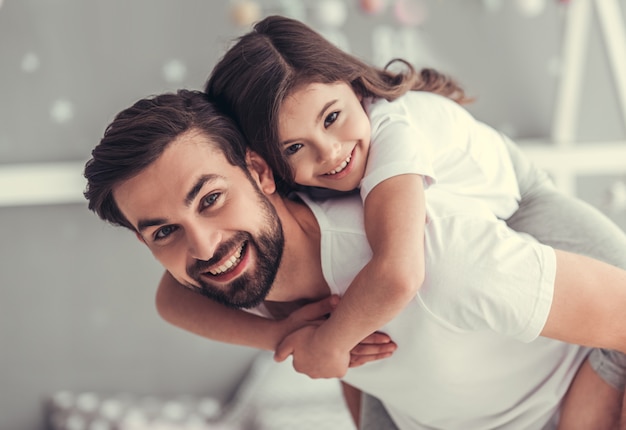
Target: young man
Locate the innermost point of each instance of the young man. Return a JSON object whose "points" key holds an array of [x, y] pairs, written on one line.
{"points": [[176, 172]]}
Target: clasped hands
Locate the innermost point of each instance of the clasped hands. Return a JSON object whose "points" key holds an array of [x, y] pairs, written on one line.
{"points": [[315, 356]]}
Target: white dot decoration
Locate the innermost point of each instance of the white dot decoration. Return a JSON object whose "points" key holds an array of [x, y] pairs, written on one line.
{"points": [[87, 402], [99, 424], [617, 196], [75, 422], [330, 13], [209, 407], [62, 111], [174, 411], [111, 409], [174, 71], [30, 62], [531, 8], [554, 66], [492, 5]]}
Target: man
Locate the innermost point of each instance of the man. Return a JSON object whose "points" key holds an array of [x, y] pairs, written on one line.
{"points": [[176, 172]]}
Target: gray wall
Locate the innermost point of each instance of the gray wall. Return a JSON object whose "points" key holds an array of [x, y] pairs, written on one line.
{"points": [[76, 296]]}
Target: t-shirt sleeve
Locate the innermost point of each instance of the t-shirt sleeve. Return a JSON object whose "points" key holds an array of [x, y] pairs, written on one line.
{"points": [[397, 146], [504, 283]]}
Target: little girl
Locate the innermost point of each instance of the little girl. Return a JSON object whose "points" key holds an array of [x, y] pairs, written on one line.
{"points": [[324, 119]]}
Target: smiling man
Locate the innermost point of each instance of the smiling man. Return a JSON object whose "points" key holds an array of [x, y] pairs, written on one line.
{"points": [[237, 269], [177, 173]]}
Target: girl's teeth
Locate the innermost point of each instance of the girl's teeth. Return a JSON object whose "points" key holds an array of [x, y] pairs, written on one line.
{"points": [[341, 167]]}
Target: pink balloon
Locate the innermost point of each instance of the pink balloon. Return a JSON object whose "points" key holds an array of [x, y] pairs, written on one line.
{"points": [[373, 7], [410, 12]]}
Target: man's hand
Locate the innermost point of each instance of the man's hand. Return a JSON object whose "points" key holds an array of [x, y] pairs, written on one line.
{"points": [[374, 347]]}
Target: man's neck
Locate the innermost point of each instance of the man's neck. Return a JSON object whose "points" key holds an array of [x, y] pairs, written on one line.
{"points": [[300, 274]]}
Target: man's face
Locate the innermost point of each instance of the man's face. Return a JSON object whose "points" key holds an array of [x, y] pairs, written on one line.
{"points": [[205, 221]]}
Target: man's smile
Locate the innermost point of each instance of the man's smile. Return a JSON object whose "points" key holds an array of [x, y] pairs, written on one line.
{"points": [[231, 266], [229, 263]]}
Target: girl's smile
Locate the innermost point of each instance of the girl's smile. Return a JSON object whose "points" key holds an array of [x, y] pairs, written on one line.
{"points": [[325, 134]]}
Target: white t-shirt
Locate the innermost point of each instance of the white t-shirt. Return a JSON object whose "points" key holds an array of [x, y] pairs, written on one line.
{"points": [[428, 134], [469, 355]]}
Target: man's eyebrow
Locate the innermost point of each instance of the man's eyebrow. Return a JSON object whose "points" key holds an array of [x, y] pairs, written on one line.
{"points": [[145, 223], [191, 195]]}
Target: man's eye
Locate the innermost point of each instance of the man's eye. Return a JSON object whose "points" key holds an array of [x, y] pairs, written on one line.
{"points": [[164, 232], [210, 200], [292, 149], [330, 119]]}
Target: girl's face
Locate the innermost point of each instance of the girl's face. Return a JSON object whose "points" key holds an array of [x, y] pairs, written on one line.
{"points": [[325, 134]]}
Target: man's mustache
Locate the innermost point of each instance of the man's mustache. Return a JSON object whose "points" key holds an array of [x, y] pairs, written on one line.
{"points": [[198, 267]]}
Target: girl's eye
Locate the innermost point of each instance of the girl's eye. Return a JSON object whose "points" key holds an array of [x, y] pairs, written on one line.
{"points": [[210, 200], [292, 149], [164, 232], [330, 119]]}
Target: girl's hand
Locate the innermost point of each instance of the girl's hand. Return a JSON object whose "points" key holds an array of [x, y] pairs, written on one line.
{"points": [[321, 361]]}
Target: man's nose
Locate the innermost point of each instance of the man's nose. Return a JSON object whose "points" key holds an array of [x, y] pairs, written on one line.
{"points": [[202, 243]]}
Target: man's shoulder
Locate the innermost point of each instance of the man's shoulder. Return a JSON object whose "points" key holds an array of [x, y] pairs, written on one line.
{"points": [[338, 213]]}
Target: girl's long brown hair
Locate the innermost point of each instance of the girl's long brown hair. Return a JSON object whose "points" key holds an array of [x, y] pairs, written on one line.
{"points": [[280, 55]]}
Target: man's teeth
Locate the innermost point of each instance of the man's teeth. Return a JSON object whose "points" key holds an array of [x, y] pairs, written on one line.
{"points": [[341, 167], [228, 264]]}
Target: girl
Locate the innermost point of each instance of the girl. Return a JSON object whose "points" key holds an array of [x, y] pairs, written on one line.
{"points": [[324, 119]]}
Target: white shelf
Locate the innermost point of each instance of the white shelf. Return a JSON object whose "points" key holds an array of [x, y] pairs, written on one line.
{"points": [[41, 184], [63, 182]]}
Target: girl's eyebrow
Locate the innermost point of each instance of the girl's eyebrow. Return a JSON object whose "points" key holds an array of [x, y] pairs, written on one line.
{"points": [[318, 118], [325, 107]]}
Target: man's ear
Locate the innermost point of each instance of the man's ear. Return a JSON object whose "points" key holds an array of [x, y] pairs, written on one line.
{"points": [[140, 237], [261, 172]]}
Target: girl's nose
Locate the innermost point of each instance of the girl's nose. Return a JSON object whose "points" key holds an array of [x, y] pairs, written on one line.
{"points": [[328, 150]]}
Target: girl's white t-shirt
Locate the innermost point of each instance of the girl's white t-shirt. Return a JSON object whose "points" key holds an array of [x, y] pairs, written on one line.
{"points": [[428, 134]]}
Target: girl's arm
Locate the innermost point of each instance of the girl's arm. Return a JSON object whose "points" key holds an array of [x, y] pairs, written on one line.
{"points": [[394, 222]]}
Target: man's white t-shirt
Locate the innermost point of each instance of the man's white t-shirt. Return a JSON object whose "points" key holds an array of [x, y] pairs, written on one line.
{"points": [[469, 353], [428, 134]]}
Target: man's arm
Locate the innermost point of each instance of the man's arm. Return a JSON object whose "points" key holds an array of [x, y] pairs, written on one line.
{"points": [[193, 312], [588, 303]]}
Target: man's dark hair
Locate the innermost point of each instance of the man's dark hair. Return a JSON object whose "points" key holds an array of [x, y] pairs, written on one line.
{"points": [[138, 136]]}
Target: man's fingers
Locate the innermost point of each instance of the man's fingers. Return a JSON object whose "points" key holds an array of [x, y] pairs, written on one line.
{"points": [[376, 338], [364, 349], [359, 360]]}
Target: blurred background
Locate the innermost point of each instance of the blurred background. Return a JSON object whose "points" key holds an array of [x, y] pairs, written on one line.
{"points": [[78, 326]]}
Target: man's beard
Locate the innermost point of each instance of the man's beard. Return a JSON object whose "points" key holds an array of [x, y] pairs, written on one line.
{"points": [[250, 289]]}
